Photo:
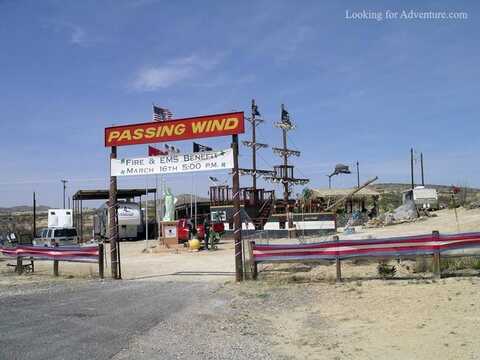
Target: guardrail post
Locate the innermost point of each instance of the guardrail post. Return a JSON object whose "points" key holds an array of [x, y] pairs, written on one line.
{"points": [[19, 266], [101, 265], [337, 261], [254, 263], [55, 267], [436, 256]]}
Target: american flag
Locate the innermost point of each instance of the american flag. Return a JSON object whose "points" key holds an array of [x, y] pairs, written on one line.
{"points": [[161, 114]]}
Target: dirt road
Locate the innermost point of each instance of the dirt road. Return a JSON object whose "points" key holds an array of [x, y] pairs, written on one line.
{"points": [[406, 319], [186, 306]]}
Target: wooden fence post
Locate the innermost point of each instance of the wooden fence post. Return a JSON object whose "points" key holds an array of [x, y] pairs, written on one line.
{"points": [[254, 263], [55, 267], [436, 256], [19, 266], [337, 261], [101, 266]]}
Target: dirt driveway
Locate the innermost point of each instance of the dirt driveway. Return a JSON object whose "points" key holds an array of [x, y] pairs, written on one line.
{"points": [[299, 312]]}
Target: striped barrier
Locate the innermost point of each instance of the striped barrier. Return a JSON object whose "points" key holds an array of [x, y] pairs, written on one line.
{"points": [[430, 244], [83, 254]]}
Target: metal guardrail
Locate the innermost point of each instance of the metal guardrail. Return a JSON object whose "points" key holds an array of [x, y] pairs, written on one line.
{"points": [[84, 254], [432, 244]]}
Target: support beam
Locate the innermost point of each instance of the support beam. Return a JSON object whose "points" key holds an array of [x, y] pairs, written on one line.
{"points": [[338, 264], [437, 272], [55, 268], [421, 168], [101, 264], [411, 168], [112, 214], [34, 225], [237, 229]]}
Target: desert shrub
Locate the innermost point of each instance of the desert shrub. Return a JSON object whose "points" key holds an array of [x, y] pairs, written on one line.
{"points": [[386, 271], [461, 263]]}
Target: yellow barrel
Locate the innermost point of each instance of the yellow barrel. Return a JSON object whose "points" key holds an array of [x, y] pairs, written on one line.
{"points": [[194, 244]]}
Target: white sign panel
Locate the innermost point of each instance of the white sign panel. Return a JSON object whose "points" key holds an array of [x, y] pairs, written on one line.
{"points": [[175, 163]]}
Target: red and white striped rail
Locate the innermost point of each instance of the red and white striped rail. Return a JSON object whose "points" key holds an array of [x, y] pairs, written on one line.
{"points": [[387, 247], [89, 254]]}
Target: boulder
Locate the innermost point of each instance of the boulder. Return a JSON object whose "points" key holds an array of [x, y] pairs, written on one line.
{"points": [[406, 211]]}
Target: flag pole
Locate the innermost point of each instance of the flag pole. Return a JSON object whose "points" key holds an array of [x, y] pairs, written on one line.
{"points": [[195, 197], [146, 213], [191, 199], [157, 221]]}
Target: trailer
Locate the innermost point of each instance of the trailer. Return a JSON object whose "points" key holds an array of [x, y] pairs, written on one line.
{"points": [[424, 198], [130, 221]]}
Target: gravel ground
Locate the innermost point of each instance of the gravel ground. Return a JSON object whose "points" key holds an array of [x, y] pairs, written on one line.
{"points": [[87, 319], [212, 328], [373, 319]]}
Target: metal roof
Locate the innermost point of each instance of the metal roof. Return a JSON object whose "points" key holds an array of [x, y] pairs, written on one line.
{"points": [[104, 194], [319, 193], [184, 199]]}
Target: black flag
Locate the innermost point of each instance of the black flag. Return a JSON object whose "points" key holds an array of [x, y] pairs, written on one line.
{"points": [[199, 147], [255, 110], [286, 117]]}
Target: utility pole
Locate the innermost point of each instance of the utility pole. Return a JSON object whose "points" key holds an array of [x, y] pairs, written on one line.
{"points": [[64, 190], [421, 168], [34, 227], [146, 216], [411, 167], [358, 175]]}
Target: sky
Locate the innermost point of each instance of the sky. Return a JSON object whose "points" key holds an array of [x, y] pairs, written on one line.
{"points": [[359, 89]]}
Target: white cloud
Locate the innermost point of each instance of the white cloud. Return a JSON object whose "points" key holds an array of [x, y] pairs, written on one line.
{"points": [[174, 72], [153, 78], [78, 35]]}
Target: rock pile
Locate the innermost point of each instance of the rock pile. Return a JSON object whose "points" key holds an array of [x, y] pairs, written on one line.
{"points": [[404, 213]]}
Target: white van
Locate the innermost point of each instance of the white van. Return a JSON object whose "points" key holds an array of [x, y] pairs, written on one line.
{"points": [[57, 237]]}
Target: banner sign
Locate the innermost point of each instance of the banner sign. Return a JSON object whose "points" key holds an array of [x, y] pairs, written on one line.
{"points": [[174, 130], [175, 163]]}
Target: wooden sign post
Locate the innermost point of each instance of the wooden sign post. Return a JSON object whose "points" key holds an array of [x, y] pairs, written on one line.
{"points": [[173, 130]]}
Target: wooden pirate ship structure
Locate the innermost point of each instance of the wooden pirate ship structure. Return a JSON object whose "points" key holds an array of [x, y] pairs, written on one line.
{"points": [[261, 209], [257, 203]]}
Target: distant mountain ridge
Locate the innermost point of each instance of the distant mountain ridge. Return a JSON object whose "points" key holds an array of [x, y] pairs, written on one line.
{"points": [[22, 208], [185, 198], [399, 187]]}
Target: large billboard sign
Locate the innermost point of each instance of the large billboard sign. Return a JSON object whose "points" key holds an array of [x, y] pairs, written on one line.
{"points": [[175, 163], [174, 130]]}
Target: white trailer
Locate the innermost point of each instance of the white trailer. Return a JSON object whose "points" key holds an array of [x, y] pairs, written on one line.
{"points": [[424, 198], [60, 218], [130, 222]]}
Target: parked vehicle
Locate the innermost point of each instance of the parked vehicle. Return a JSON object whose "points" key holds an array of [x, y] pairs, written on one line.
{"points": [[57, 237], [424, 198], [60, 218], [130, 221]]}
